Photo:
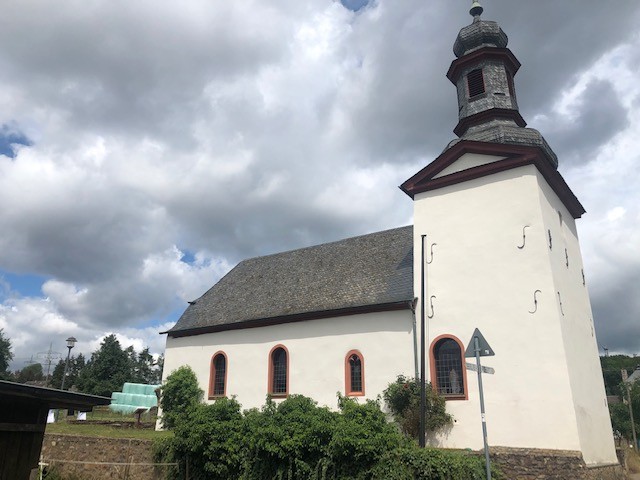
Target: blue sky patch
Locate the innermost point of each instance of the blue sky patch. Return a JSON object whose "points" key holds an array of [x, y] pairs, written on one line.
{"points": [[9, 137], [26, 285], [188, 257], [354, 5]]}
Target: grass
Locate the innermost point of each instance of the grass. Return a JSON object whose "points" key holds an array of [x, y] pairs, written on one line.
{"points": [[112, 428]]}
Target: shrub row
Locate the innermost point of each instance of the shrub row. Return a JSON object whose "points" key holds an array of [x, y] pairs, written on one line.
{"points": [[296, 439]]}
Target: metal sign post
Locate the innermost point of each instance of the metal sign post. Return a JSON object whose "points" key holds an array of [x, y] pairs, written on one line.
{"points": [[478, 347]]}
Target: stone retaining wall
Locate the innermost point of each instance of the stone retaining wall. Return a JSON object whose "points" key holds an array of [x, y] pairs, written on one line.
{"points": [[59, 449], [538, 464]]}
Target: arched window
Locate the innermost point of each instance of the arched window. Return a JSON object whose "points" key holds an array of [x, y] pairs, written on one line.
{"points": [[218, 377], [279, 371], [354, 373], [448, 374]]}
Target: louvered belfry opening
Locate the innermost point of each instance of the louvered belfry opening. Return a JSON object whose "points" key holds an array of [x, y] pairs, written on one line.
{"points": [[475, 82]]}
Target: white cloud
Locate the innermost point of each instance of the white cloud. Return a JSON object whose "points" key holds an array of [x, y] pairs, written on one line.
{"points": [[245, 128]]}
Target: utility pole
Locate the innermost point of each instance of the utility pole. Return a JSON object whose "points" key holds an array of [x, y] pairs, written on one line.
{"points": [[48, 358], [633, 423]]}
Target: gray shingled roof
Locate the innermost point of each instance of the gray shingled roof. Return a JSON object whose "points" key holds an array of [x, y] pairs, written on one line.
{"points": [[365, 271]]}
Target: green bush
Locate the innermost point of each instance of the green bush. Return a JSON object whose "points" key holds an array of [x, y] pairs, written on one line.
{"points": [[403, 400], [414, 463], [297, 440], [180, 394]]}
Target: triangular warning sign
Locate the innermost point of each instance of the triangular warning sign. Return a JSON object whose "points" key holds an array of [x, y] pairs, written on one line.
{"points": [[483, 346]]}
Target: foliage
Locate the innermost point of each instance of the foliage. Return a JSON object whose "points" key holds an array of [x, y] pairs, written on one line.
{"points": [[296, 439], [180, 394], [287, 440], [620, 418], [30, 373], [107, 370], [412, 462], [6, 355], [611, 370], [76, 364], [403, 400]]}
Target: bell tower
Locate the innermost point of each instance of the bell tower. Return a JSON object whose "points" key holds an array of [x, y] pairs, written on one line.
{"points": [[503, 256]]}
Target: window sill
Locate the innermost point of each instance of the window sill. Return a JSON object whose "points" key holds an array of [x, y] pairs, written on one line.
{"points": [[355, 394], [455, 397], [216, 397], [278, 395]]}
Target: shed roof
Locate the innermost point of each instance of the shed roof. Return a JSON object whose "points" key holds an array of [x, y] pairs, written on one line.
{"points": [[365, 273], [50, 396]]}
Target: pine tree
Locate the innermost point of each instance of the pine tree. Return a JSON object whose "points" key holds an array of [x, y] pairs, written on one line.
{"points": [[6, 355]]}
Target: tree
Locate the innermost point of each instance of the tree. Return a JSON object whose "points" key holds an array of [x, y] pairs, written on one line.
{"points": [[403, 399], [620, 418], [144, 367], [107, 370], [30, 373], [76, 365], [180, 394], [6, 355]]}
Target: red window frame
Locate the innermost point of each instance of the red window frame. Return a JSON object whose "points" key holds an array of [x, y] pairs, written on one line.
{"points": [[347, 374], [464, 395], [212, 375], [270, 384]]}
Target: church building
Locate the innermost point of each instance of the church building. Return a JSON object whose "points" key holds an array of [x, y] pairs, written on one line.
{"points": [[501, 254]]}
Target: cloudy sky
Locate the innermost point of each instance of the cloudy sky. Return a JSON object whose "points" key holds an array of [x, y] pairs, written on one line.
{"points": [[146, 147]]}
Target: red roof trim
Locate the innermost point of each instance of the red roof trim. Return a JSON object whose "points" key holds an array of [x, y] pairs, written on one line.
{"points": [[265, 322], [516, 156]]}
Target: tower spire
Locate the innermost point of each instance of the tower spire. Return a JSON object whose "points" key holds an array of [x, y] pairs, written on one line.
{"points": [[476, 10], [483, 73]]}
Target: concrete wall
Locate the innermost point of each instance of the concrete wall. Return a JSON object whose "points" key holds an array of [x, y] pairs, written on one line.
{"points": [[317, 350]]}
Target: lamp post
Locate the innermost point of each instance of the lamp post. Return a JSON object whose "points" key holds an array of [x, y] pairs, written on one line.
{"points": [[71, 341]]}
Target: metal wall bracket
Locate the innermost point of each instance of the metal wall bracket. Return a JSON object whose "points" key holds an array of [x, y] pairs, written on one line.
{"points": [[431, 306], [535, 301], [524, 237], [429, 261], [560, 300]]}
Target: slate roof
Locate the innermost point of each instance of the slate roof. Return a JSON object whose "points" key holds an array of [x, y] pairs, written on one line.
{"points": [[373, 272]]}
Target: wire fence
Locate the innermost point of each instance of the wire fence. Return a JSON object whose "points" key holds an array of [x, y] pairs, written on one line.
{"points": [[104, 470]]}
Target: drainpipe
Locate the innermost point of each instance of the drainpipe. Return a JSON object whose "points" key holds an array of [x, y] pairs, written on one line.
{"points": [[412, 306]]}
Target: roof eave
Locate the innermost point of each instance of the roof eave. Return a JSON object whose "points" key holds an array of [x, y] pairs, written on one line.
{"points": [[298, 317]]}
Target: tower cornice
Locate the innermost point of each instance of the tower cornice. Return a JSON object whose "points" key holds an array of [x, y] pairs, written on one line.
{"points": [[486, 115], [485, 53]]}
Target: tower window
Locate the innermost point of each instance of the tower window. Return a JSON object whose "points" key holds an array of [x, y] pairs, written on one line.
{"points": [[475, 82], [218, 378], [447, 372], [278, 371], [354, 373]]}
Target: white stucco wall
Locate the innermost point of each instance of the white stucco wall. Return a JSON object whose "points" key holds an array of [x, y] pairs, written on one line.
{"points": [[581, 348], [481, 279], [317, 350]]}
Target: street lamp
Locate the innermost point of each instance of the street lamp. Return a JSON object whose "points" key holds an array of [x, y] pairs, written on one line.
{"points": [[71, 341]]}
